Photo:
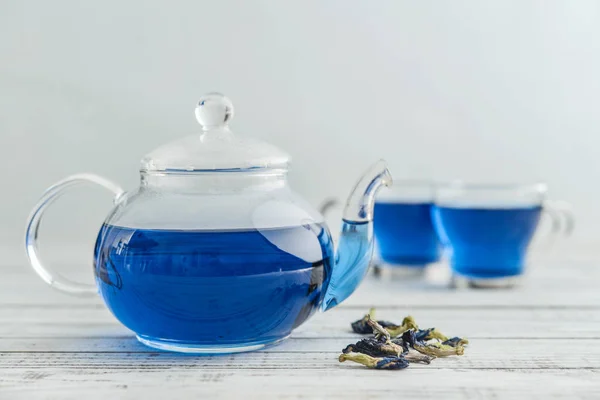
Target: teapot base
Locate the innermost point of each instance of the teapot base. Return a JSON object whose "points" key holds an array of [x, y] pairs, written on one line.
{"points": [[196, 348]]}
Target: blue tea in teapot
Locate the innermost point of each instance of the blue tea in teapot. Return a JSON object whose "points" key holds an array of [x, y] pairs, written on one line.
{"points": [[188, 285], [214, 252]]}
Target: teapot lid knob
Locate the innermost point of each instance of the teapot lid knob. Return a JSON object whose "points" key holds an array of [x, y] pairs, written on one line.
{"points": [[214, 110]]}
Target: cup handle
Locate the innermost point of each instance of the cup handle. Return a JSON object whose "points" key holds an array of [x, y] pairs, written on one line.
{"points": [[327, 205], [31, 236], [562, 217]]}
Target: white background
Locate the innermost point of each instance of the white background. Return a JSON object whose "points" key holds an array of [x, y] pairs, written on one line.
{"points": [[478, 90]]}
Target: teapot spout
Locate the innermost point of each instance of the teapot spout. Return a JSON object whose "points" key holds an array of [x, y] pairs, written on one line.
{"points": [[355, 246]]}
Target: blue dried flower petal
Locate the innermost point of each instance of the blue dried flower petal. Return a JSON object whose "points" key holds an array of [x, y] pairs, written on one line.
{"points": [[392, 363], [455, 341], [422, 334]]}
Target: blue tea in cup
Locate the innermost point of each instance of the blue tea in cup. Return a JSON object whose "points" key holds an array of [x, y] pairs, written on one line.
{"points": [[487, 229], [403, 228]]}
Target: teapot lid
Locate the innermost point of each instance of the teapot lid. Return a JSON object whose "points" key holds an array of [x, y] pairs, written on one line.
{"points": [[216, 148]]}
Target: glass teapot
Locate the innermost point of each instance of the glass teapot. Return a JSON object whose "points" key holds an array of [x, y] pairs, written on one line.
{"points": [[214, 253]]}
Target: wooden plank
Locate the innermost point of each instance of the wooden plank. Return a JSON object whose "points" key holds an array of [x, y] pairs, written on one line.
{"points": [[292, 345], [524, 356], [339, 383], [295, 353], [97, 321], [293, 361]]}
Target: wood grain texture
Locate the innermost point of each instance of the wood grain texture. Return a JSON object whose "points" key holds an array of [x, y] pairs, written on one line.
{"points": [[343, 383], [522, 322], [537, 341], [315, 354]]}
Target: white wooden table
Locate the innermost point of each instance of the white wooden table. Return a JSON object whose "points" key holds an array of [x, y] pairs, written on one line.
{"points": [[541, 340]]}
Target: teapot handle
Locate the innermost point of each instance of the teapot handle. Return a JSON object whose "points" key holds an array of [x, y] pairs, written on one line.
{"points": [[31, 236]]}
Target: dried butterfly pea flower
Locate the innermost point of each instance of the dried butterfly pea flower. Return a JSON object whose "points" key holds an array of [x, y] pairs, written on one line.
{"points": [[392, 363], [408, 339], [422, 334], [387, 324], [407, 324], [431, 348], [378, 330], [414, 356], [394, 346], [374, 348], [379, 348], [431, 333], [375, 362], [361, 326], [438, 349], [455, 342], [435, 334]]}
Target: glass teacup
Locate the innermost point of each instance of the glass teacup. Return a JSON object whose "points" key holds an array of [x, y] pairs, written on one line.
{"points": [[404, 233], [486, 230], [405, 240]]}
